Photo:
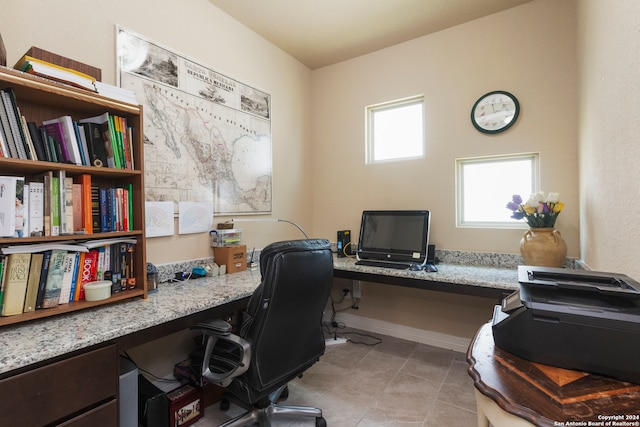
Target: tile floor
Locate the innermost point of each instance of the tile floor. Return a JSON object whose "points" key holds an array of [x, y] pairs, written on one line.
{"points": [[392, 383]]}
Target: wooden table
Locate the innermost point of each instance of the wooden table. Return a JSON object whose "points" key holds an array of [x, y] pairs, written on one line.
{"points": [[528, 393]]}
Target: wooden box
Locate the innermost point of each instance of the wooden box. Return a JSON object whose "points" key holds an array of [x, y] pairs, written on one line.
{"points": [[186, 406], [234, 258]]}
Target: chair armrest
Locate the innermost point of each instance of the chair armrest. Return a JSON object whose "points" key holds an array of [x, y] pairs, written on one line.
{"points": [[217, 357]]}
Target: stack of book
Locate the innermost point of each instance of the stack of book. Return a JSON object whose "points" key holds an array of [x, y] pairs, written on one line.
{"points": [[45, 69], [40, 276], [55, 67], [58, 205], [104, 140]]}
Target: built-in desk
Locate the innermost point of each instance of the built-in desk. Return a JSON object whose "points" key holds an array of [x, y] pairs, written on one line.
{"points": [[483, 281], [64, 369]]}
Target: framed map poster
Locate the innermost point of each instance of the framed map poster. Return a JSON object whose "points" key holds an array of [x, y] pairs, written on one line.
{"points": [[207, 136]]}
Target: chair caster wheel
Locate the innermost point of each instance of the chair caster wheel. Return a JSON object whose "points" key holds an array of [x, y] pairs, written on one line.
{"points": [[321, 422], [224, 405], [284, 395]]}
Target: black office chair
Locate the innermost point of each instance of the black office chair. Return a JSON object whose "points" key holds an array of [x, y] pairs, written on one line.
{"points": [[281, 336]]}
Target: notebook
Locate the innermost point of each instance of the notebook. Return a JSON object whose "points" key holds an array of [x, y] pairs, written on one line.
{"points": [[394, 238]]}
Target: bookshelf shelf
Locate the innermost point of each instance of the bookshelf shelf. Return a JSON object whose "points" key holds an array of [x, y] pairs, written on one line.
{"points": [[40, 99]]}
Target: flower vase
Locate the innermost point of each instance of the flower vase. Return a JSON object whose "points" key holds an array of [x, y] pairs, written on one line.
{"points": [[543, 247]]}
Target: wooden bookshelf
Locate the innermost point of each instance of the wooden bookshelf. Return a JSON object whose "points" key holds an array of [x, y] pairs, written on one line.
{"points": [[40, 99]]}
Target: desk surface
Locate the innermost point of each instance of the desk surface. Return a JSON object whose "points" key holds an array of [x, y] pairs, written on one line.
{"points": [[490, 282], [549, 396], [44, 339], [25, 344]]}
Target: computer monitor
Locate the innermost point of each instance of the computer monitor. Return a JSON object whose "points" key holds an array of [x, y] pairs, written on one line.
{"points": [[394, 235]]}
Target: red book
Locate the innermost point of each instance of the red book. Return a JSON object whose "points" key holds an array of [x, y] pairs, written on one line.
{"points": [[88, 272]]}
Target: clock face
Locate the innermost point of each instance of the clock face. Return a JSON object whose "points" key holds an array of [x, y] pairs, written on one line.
{"points": [[495, 112]]}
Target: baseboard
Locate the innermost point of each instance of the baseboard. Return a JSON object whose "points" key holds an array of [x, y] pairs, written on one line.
{"points": [[435, 339]]}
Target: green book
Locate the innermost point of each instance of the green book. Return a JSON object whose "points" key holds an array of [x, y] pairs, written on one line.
{"points": [[55, 206]]}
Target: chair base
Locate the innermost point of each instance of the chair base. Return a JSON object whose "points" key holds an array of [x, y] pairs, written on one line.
{"points": [[264, 416]]}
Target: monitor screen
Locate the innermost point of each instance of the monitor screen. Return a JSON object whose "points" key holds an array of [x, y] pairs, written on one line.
{"points": [[394, 235]]}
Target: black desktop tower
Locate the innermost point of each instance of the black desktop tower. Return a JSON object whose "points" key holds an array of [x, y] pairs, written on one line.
{"points": [[344, 243]]}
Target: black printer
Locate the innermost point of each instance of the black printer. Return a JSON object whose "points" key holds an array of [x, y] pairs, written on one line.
{"points": [[573, 319]]}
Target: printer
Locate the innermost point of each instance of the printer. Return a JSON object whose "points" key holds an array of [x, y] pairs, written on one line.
{"points": [[573, 319]]}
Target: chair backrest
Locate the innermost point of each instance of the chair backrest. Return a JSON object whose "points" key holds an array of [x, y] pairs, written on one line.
{"points": [[284, 326]]}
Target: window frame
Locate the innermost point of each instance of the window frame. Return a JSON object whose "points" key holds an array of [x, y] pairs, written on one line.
{"points": [[535, 182], [370, 111]]}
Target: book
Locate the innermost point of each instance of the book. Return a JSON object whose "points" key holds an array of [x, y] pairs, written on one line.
{"points": [[36, 209], [55, 136], [105, 211], [27, 136], [77, 207], [25, 209], [3, 263], [42, 247], [84, 181], [42, 284], [20, 212], [87, 272], [74, 276], [7, 206], [95, 143], [45, 69], [54, 279], [95, 209], [67, 134], [15, 125], [38, 145], [69, 265], [55, 206], [115, 92], [106, 132], [63, 61], [15, 287], [7, 132], [48, 202], [82, 143], [31, 295], [68, 205]]}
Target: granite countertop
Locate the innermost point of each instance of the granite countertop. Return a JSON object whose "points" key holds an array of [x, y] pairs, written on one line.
{"points": [[39, 340], [487, 276]]}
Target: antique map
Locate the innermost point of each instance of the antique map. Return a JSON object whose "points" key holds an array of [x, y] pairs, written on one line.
{"points": [[207, 136]]}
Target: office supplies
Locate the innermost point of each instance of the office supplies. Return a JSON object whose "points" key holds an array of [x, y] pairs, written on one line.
{"points": [[584, 320], [393, 238]]}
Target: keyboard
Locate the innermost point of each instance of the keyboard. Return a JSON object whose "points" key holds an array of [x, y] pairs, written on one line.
{"points": [[383, 264]]}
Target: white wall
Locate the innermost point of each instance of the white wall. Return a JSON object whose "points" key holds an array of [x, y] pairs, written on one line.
{"points": [[530, 51], [609, 128], [85, 31]]}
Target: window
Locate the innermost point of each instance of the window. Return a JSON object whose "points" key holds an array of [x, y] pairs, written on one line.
{"points": [[485, 186], [395, 130]]}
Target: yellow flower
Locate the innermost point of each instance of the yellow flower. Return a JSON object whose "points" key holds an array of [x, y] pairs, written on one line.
{"points": [[557, 207], [529, 210]]}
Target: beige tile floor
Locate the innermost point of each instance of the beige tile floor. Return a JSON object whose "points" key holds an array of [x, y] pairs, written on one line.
{"points": [[393, 383]]}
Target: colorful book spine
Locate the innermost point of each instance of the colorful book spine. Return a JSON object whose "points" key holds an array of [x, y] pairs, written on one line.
{"points": [[15, 287], [54, 278]]}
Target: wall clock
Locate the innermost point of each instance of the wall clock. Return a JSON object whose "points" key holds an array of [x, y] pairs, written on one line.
{"points": [[495, 112]]}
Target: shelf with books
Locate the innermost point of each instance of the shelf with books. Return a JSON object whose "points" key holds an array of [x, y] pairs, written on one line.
{"points": [[122, 188]]}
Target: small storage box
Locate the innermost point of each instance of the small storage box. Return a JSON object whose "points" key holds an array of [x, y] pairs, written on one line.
{"points": [[96, 291], [230, 237], [186, 406], [234, 258]]}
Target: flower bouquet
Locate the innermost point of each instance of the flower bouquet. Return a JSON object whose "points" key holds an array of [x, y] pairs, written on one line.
{"points": [[539, 211]]}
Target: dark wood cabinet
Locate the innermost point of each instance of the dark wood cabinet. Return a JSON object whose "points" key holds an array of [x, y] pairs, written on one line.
{"points": [[75, 391]]}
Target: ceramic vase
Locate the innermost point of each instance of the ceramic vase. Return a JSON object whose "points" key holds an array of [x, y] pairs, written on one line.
{"points": [[543, 247]]}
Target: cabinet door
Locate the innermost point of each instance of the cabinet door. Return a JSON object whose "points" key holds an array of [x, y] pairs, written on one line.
{"points": [[56, 391]]}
